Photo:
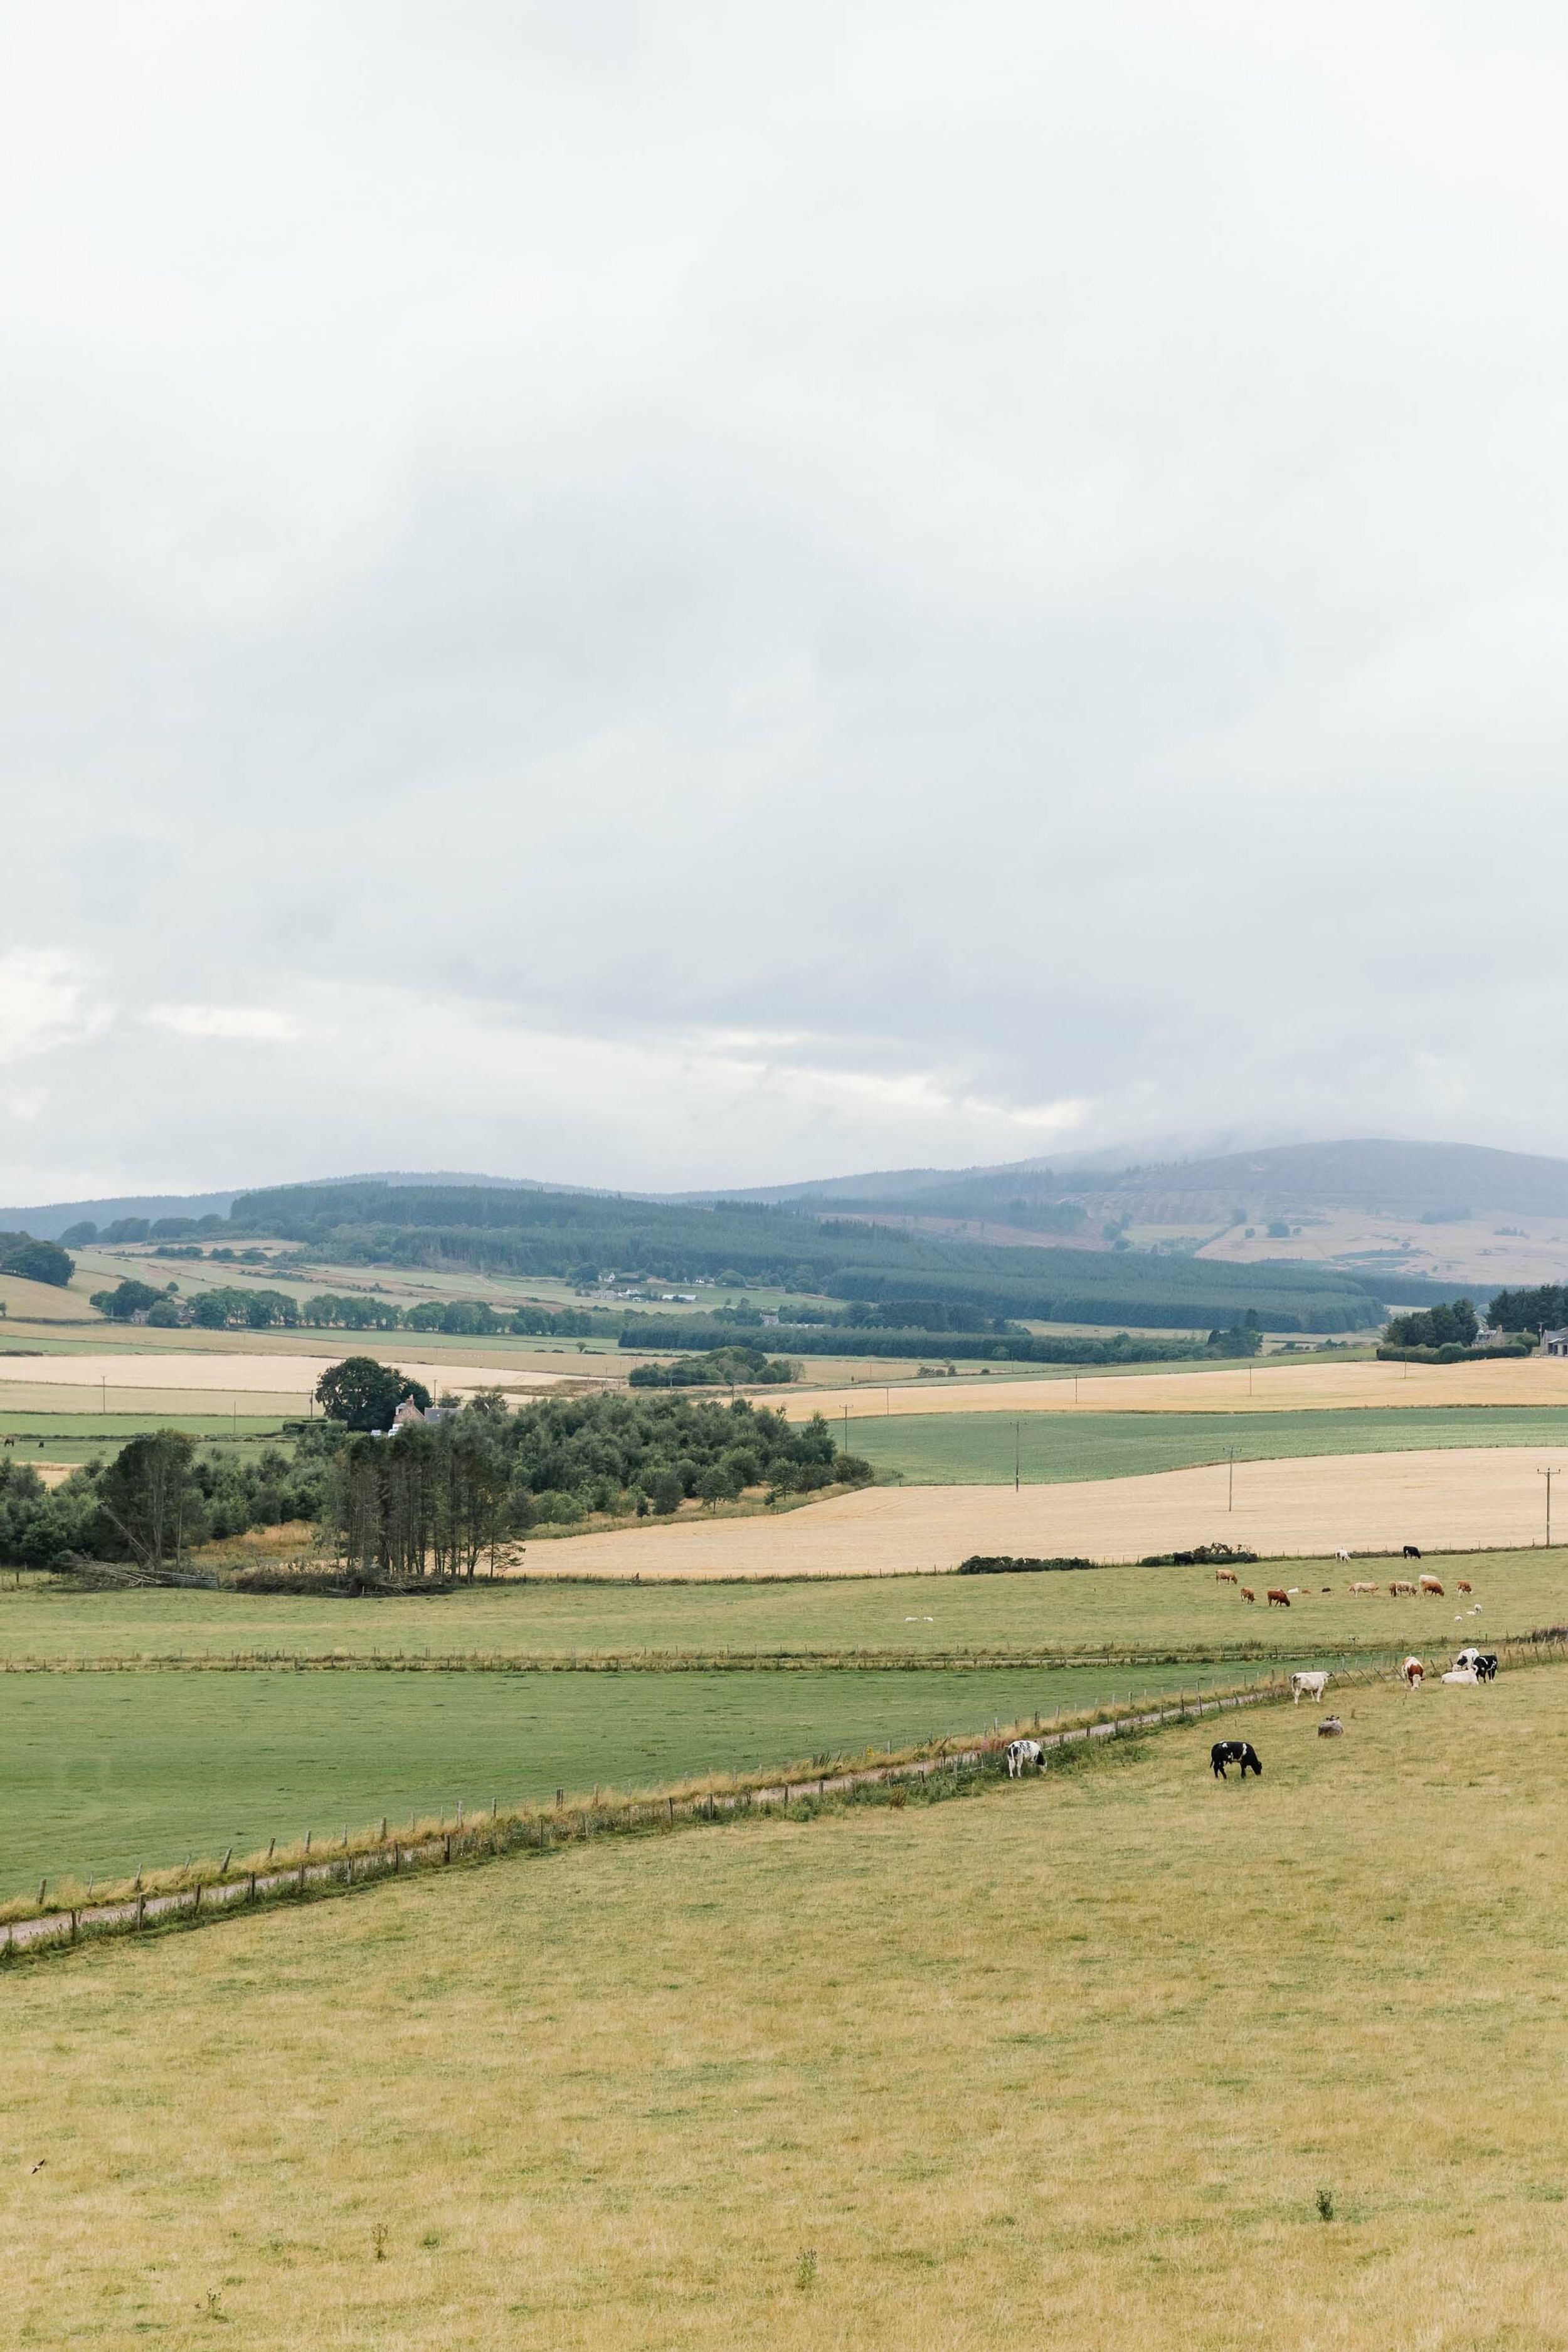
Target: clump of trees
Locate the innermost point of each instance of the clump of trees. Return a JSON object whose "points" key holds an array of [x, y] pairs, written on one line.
{"points": [[1543, 1308], [157, 1498], [35, 1261], [718, 1368], [362, 1393], [128, 1301], [1453, 1326], [430, 1501]]}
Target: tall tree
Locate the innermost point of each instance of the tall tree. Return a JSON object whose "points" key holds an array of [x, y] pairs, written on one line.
{"points": [[147, 1497]]}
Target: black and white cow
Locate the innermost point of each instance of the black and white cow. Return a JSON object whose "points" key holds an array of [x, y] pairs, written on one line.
{"points": [[1024, 1756], [1482, 1662], [1235, 1751]]}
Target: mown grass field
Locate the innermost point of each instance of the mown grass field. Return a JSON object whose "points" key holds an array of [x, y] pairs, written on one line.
{"points": [[1124, 2057], [981, 1449], [1131, 1609], [101, 1773]]}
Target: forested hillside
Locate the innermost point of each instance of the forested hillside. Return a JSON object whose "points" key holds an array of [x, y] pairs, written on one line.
{"points": [[584, 1235]]}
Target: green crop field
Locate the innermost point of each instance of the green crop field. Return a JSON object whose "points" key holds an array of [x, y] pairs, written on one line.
{"points": [[1121, 2057], [102, 1773], [79, 1436], [979, 1449], [1132, 1610]]}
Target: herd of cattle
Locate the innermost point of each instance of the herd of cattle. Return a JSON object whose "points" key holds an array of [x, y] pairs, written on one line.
{"points": [[1471, 1666], [1279, 1596]]}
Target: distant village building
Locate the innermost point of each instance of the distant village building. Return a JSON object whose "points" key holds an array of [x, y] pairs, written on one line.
{"points": [[1555, 1343], [406, 1412]]}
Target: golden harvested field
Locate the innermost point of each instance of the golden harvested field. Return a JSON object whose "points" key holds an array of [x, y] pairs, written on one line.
{"points": [[1122, 2057], [1455, 1500], [41, 1301], [1267, 1386], [172, 1382]]}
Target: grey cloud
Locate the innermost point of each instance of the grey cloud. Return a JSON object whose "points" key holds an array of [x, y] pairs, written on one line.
{"points": [[1018, 552]]}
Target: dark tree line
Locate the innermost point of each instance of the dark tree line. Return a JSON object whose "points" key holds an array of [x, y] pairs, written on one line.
{"points": [[1454, 1326], [1544, 1309], [528, 1231], [428, 1502]]}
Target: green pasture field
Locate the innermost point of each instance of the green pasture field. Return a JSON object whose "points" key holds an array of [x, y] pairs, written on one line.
{"points": [[1118, 1611], [977, 1449], [102, 1773], [79, 1436], [1119, 2057]]}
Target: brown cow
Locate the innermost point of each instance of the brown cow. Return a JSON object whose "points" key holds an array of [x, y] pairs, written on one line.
{"points": [[1465, 1586], [1278, 1597], [1430, 1584], [1412, 1670], [1247, 1593], [1363, 1588], [1224, 1576], [1400, 1591]]}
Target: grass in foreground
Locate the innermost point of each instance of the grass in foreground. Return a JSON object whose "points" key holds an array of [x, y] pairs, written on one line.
{"points": [[1122, 2058], [102, 1773], [979, 1449]]}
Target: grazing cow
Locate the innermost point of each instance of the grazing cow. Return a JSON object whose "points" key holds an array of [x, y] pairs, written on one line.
{"points": [[1431, 1584], [1024, 1755], [1412, 1551], [1278, 1597], [1400, 1591], [1343, 1554], [1412, 1670], [1247, 1593], [1465, 1586], [1363, 1588], [1308, 1686], [1482, 1663], [1224, 1576], [1330, 1727], [1234, 1751]]}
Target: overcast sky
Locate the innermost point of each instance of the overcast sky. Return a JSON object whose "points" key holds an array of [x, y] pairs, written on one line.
{"points": [[679, 594]]}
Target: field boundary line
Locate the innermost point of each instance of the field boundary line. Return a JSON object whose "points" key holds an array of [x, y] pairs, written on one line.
{"points": [[213, 1894], [676, 1662]]}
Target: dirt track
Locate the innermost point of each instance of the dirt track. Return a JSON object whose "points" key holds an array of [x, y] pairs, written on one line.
{"points": [[1455, 1499]]}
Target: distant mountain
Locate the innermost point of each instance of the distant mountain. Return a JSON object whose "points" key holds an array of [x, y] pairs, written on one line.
{"points": [[1398, 1179], [48, 1221], [47, 1224]]}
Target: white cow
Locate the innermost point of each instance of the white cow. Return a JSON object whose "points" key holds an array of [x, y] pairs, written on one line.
{"points": [[1466, 1674], [1308, 1686], [1342, 1553], [1023, 1755]]}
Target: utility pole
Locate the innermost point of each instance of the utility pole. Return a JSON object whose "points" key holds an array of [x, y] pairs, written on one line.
{"points": [[1230, 1487], [1017, 1442], [1548, 1475]]}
